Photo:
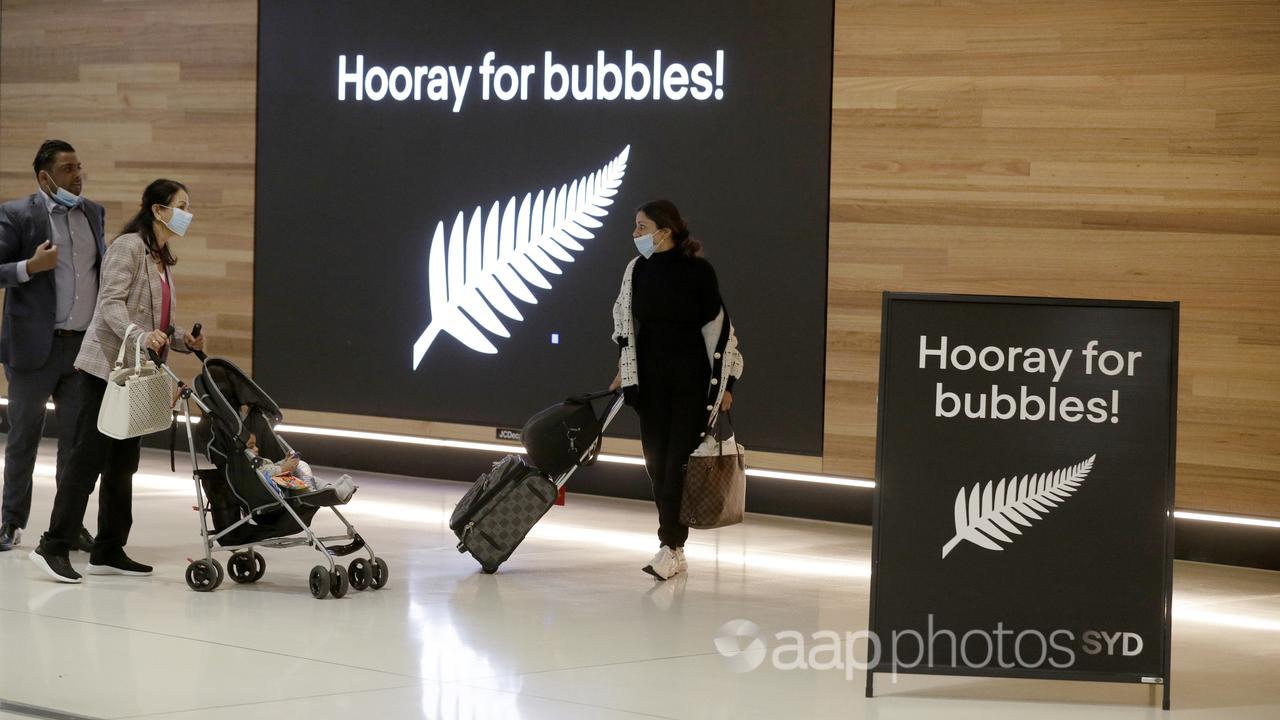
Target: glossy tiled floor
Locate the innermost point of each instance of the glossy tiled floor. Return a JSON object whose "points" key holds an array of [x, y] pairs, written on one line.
{"points": [[570, 628]]}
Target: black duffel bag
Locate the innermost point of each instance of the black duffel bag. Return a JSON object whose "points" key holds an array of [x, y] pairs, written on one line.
{"points": [[564, 435]]}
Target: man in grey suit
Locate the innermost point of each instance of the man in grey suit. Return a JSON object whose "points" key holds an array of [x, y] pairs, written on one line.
{"points": [[51, 248]]}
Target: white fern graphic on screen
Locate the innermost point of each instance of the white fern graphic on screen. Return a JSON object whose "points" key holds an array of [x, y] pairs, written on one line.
{"points": [[992, 514], [489, 260]]}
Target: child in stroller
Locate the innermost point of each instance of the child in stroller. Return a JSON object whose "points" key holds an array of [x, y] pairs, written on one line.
{"points": [[248, 507], [290, 473], [293, 473]]}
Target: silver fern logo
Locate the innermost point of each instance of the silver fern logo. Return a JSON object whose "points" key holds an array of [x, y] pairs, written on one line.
{"points": [[488, 261], [991, 515]]}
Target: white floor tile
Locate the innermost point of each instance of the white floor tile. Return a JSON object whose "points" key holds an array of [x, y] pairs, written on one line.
{"points": [[428, 702], [569, 628]]}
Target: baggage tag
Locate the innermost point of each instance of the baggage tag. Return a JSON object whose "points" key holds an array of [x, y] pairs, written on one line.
{"points": [[560, 497]]}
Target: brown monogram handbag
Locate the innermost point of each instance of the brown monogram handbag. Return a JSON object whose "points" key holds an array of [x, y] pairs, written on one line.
{"points": [[715, 485]]}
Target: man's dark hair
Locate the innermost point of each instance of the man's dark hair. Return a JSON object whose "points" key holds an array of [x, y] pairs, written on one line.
{"points": [[48, 151]]}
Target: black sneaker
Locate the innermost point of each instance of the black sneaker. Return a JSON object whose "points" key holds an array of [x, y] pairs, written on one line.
{"points": [[119, 564], [10, 535], [57, 567], [83, 541]]}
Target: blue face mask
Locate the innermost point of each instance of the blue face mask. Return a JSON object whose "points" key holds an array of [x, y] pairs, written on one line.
{"points": [[179, 221], [63, 197], [645, 245]]}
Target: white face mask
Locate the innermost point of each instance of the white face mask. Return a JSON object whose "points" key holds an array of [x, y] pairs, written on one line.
{"points": [[63, 197], [179, 221], [645, 245]]}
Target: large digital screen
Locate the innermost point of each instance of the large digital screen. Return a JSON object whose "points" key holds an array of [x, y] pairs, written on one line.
{"points": [[446, 193]]}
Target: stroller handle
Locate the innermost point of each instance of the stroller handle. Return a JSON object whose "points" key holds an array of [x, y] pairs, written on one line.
{"points": [[195, 332], [183, 390]]}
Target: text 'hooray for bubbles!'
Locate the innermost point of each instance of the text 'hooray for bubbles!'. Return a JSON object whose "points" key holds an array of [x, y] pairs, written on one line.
{"points": [[1022, 403], [631, 76]]}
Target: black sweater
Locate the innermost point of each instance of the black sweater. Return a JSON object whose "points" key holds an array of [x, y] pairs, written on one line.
{"points": [[672, 297]]}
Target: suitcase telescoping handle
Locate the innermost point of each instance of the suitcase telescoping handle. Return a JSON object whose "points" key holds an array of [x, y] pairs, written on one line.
{"points": [[589, 457], [614, 407], [597, 395], [594, 452]]}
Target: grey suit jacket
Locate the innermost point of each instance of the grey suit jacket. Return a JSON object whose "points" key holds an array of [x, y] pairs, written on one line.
{"points": [[30, 307], [129, 292]]}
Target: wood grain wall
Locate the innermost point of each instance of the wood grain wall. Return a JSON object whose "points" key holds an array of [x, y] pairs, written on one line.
{"points": [[1094, 148], [1091, 148], [146, 90]]}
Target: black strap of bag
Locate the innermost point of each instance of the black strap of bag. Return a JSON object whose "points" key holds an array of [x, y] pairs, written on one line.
{"points": [[717, 369], [587, 400], [173, 440], [727, 421]]}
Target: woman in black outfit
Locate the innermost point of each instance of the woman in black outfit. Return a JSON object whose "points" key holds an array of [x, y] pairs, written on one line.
{"points": [[678, 361]]}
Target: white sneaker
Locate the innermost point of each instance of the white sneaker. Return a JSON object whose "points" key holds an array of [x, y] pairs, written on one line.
{"points": [[682, 565], [664, 564]]}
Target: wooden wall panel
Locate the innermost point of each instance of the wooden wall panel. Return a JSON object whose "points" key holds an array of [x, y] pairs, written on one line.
{"points": [[1095, 148], [146, 90], [1115, 149]]}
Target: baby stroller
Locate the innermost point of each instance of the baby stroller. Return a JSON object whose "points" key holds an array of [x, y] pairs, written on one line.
{"points": [[246, 507]]}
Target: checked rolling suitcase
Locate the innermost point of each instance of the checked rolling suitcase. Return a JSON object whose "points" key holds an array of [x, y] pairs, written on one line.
{"points": [[503, 505]]}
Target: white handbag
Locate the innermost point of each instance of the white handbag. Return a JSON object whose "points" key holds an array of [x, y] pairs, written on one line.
{"points": [[139, 399]]}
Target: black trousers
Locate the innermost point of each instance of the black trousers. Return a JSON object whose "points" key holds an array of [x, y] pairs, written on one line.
{"points": [[671, 421], [92, 453], [29, 390]]}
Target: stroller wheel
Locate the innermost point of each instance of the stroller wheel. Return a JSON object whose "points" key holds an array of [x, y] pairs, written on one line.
{"points": [[247, 567], [378, 578], [338, 582], [319, 582], [202, 576], [241, 568], [359, 573], [222, 574]]}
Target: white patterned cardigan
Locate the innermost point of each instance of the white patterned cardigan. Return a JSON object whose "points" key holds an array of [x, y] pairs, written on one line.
{"points": [[719, 336]]}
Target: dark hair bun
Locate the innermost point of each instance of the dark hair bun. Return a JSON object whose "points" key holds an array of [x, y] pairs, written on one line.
{"points": [[665, 216]]}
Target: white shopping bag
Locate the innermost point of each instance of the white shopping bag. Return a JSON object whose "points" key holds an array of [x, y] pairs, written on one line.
{"points": [[139, 399]]}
